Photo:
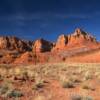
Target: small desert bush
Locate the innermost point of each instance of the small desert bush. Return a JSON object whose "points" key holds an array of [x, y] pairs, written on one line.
{"points": [[67, 84], [1, 78], [5, 88], [88, 98], [88, 76], [76, 97], [31, 73], [88, 86], [74, 79], [80, 70], [80, 97], [7, 91], [39, 83], [23, 76], [15, 94], [97, 74]]}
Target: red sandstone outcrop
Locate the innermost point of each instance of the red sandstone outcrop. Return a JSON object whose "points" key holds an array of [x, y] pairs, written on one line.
{"points": [[62, 41], [78, 38], [14, 43], [17, 51], [42, 45]]}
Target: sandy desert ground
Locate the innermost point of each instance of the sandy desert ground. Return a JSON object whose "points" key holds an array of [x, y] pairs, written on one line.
{"points": [[51, 81]]}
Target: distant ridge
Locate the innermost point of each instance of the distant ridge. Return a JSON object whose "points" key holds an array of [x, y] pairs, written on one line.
{"points": [[77, 37], [15, 50]]}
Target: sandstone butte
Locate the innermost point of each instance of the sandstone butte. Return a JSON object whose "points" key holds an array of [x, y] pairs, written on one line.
{"points": [[68, 48]]}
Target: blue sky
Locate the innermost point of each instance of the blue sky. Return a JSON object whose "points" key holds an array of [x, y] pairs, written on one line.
{"points": [[33, 19]]}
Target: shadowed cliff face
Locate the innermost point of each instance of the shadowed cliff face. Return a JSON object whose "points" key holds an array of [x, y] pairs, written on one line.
{"points": [[42, 45], [14, 43]]}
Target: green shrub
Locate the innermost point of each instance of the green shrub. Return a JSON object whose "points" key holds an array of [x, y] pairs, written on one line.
{"points": [[15, 93]]}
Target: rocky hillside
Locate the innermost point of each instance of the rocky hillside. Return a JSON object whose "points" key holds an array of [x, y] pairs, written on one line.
{"points": [[15, 50], [14, 43], [78, 38]]}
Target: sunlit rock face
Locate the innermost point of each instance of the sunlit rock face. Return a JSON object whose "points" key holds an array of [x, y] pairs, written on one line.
{"points": [[62, 41], [78, 37]]}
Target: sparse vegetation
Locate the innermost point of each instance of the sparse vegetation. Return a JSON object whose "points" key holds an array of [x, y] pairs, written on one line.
{"points": [[16, 82], [15, 94], [67, 84], [88, 76], [76, 97], [80, 97], [88, 86], [39, 83], [3, 90]]}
